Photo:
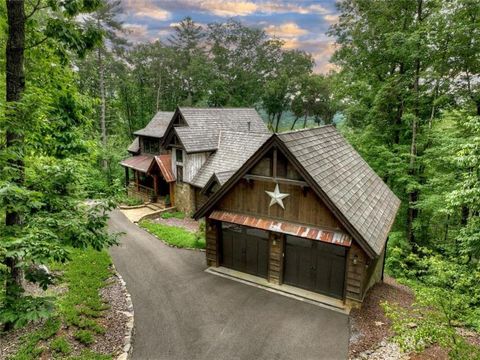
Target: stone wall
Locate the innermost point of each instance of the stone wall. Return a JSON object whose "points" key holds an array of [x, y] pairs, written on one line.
{"points": [[185, 198]]}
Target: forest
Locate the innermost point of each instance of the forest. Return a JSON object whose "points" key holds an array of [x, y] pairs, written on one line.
{"points": [[405, 92]]}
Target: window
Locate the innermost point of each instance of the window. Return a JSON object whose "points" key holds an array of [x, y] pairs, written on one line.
{"points": [[179, 155], [151, 146]]}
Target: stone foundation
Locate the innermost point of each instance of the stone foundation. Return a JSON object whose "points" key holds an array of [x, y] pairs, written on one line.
{"points": [[185, 198]]}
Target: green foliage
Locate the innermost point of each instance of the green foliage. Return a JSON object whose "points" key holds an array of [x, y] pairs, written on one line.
{"points": [[433, 320], [19, 311], [84, 336], [30, 349], [174, 235], [61, 345], [78, 309], [85, 274], [174, 214]]}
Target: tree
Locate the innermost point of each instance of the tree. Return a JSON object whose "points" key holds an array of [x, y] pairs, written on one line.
{"points": [[45, 216]]}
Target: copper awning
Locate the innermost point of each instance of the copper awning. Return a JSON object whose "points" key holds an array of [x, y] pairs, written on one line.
{"points": [[285, 227], [165, 164], [140, 162]]}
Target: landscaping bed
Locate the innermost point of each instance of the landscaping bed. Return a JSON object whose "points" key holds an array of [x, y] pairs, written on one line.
{"points": [[175, 229], [371, 333], [90, 317]]}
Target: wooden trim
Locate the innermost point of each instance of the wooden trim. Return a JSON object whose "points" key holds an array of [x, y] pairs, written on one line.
{"points": [[276, 180]]}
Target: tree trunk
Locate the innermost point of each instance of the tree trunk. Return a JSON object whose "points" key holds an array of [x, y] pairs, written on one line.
{"points": [[305, 121], [294, 122], [412, 212], [279, 116], [15, 86], [159, 91], [101, 84]]}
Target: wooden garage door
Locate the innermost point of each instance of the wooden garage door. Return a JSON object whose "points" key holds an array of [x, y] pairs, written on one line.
{"points": [[315, 266], [244, 249]]}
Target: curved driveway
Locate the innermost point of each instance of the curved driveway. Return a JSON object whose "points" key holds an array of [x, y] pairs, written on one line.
{"points": [[182, 312]]}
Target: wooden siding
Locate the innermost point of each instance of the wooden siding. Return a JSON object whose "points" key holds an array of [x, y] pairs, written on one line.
{"points": [[356, 272], [212, 235], [192, 163], [200, 198], [275, 261], [301, 206]]}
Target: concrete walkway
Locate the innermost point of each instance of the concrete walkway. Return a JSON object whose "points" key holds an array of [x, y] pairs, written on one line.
{"points": [[182, 312], [137, 213]]}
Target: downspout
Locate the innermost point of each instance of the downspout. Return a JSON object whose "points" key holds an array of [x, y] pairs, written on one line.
{"points": [[385, 257]]}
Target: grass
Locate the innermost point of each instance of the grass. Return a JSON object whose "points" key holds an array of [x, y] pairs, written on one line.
{"points": [[175, 214], [174, 235], [78, 309]]}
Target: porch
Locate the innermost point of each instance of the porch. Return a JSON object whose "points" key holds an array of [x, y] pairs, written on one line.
{"points": [[150, 179]]}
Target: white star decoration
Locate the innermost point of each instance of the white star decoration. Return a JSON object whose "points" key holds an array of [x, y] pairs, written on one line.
{"points": [[277, 197]]}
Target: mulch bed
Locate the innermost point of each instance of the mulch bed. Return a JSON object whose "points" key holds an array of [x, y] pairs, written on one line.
{"points": [[187, 223], [113, 320], [369, 325]]}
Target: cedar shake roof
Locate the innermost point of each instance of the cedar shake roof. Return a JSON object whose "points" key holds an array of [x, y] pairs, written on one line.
{"points": [[134, 146], [347, 180], [157, 126], [205, 124], [347, 184], [233, 149]]}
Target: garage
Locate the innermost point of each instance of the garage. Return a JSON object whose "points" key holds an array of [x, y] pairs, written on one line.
{"points": [[244, 249], [315, 266]]}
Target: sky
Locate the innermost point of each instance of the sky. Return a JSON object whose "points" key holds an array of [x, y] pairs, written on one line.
{"points": [[300, 23]]}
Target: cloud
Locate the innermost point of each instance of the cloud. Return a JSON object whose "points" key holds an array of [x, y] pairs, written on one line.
{"points": [[287, 30], [231, 8], [145, 8], [331, 19]]}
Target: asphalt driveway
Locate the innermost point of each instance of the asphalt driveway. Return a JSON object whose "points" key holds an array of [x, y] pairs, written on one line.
{"points": [[181, 312]]}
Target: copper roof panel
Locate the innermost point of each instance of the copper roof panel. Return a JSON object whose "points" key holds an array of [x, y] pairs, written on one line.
{"points": [[284, 227]]}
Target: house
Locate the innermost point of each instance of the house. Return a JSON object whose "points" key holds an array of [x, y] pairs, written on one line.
{"points": [[177, 153], [303, 210], [150, 165], [299, 209]]}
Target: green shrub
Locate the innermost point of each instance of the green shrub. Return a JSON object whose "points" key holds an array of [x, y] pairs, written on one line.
{"points": [[123, 199], [84, 336], [174, 235], [60, 345]]}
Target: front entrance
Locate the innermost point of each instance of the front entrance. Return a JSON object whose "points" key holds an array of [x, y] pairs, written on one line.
{"points": [[315, 266], [244, 249]]}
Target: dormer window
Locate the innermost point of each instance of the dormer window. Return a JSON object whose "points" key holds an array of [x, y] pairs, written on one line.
{"points": [[151, 145]]}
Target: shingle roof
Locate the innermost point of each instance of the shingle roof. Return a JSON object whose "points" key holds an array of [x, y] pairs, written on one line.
{"points": [[348, 181], [134, 146], [205, 124], [233, 149], [157, 126]]}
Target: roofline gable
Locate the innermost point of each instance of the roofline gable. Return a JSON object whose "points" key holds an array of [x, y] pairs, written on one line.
{"points": [[269, 144], [167, 134]]}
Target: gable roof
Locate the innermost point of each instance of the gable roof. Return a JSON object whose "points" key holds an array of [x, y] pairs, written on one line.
{"points": [[233, 149], [203, 125], [339, 175], [347, 180], [157, 126]]}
